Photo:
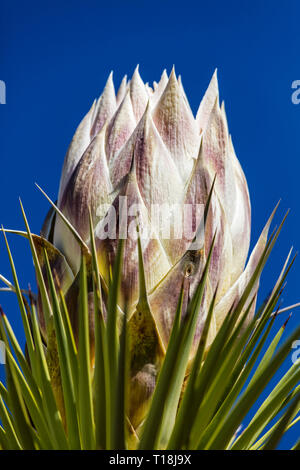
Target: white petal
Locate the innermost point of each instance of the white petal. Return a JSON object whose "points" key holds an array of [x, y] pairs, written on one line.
{"points": [[120, 128], [79, 144], [106, 106], [159, 88], [122, 90], [138, 94], [176, 125], [207, 103], [88, 188]]}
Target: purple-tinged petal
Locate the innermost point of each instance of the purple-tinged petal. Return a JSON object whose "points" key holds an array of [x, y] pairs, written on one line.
{"points": [[106, 106], [155, 260], [160, 186], [157, 175], [120, 127], [216, 224], [207, 103], [159, 88], [121, 162], [88, 188], [176, 125], [183, 94], [240, 226], [217, 160], [138, 94], [79, 144], [122, 90]]}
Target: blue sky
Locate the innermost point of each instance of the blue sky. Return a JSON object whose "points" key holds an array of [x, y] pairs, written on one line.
{"points": [[55, 58]]}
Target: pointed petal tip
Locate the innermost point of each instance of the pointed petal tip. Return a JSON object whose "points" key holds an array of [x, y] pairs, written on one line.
{"points": [[136, 72], [214, 79], [109, 82], [173, 74]]}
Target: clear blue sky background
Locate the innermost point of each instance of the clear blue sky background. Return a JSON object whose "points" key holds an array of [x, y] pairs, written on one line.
{"points": [[55, 58]]}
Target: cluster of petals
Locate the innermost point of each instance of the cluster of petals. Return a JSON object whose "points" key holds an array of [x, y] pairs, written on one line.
{"points": [[144, 143]]}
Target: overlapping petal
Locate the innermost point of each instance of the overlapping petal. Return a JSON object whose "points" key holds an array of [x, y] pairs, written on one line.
{"points": [[177, 127], [89, 188], [105, 107], [127, 213]]}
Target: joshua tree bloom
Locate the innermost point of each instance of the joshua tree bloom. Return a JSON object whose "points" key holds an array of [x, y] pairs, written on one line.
{"points": [[143, 334], [141, 149]]}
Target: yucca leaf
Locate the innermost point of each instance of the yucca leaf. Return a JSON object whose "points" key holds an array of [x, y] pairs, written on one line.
{"points": [[248, 398], [279, 430], [184, 419], [268, 410], [239, 376], [86, 414], [240, 373], [265, 436], [113, 339], [41, 283], [119, 425], [68, 386], [99, 378], [14, 443], [214, 392], [26, 326], [263, 363], [18, 411], [36, 413], [4, 442], [213, 361], [3, 392], [70, 342], [151, 426], [101, 381], [296, 446], [28, 374], [50, 406]]}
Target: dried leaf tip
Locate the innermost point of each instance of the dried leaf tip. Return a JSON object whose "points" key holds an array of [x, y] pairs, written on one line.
{"points": [[287, 320]]}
